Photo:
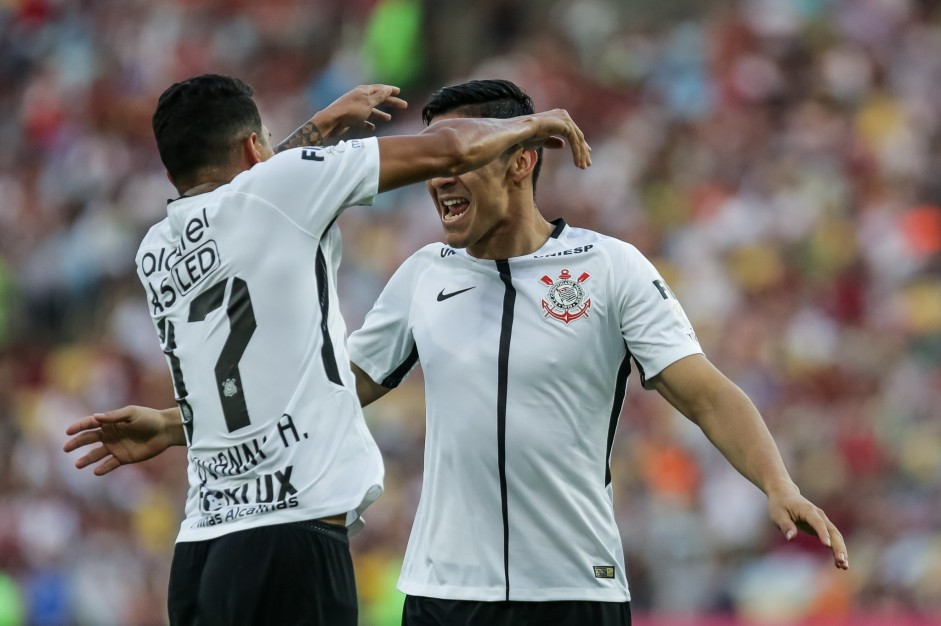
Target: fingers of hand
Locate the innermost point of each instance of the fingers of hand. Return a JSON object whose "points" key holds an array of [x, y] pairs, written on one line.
{"points": [[118, 415], [385, 90], [107, 466], [92, 457], [84, 439], [818, 526], [83, 424], [840, 555], [381, 115], [398, 103]]}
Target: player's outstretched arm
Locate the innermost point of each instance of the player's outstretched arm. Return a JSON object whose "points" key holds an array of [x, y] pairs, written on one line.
{"points": [[732, 423], [354, 109], [456, 145], [128, 435]]}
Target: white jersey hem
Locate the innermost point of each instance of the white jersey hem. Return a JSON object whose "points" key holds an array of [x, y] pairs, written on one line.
{"points": [[491, 594], [215, 531]]}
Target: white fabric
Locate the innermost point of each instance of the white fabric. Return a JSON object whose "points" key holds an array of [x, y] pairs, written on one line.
{"points": [[303, 451], [561, 407]]}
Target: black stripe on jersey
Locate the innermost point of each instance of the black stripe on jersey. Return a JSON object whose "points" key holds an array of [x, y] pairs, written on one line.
{"points": [[620, 386], [559, 224], [503, 370], [323, 293], [394, 379]]}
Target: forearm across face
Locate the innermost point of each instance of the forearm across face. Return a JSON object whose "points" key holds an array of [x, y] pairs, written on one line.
{"points": [[453, 146]]}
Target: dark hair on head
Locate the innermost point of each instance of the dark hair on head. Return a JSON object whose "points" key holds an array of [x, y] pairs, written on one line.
{"points": [[199, 122], [483, 98]]}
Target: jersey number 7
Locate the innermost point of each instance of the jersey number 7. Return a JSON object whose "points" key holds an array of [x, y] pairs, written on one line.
{"points": [[228, 378]]}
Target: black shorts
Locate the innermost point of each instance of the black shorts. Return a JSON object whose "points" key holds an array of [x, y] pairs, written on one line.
{"points": [[286, 574], [421, 611]]}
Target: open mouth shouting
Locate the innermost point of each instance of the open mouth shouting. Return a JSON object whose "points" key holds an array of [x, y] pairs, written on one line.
{"points": [[452, 209]]}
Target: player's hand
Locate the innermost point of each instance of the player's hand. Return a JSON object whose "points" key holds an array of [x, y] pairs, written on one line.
{"points": [[128, 435], [357, 109], [553, 128], [792, 511]]}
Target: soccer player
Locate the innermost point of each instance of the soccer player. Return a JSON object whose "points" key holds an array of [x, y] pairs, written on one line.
{"points": [[240, 281], [525, 330]]}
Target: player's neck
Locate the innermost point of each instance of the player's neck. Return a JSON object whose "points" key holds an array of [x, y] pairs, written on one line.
{"points": [[524, 235], [212, 178], [202, 188]]}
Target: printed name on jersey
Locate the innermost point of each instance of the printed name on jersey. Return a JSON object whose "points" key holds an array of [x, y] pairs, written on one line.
{"points": [[193, 268], [577, 250], [213, 519], [566, 300], [179, 268], [232, 461], [603, 571], [259, 491]]}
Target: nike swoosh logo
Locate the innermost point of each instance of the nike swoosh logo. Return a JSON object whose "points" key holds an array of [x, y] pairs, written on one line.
{"points": [[444, 296]]}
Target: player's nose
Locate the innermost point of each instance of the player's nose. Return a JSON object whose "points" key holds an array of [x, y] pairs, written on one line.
{"points": [[439, 182]]}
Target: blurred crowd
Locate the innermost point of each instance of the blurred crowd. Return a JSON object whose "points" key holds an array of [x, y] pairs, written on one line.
{"points": [[778, 160]]}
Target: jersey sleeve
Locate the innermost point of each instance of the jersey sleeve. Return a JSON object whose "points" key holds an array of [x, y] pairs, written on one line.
{"points": [[653, 323], [384, 347], [312, 186]]}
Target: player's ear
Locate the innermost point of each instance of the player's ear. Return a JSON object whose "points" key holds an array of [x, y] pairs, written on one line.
{"points": [[254, 149], [522, 164]]}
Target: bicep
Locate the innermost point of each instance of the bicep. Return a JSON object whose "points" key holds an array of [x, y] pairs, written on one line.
{"points": [[692, 385]]}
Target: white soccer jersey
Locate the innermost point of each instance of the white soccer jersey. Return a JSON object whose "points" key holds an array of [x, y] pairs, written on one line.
{"points": [[526, 362], [241, 285]]}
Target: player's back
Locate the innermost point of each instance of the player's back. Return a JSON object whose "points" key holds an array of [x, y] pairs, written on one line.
{"points": [[243, 298]]}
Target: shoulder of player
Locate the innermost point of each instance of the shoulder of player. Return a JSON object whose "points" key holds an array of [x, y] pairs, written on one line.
{"points": [[286, 162], [615, 249], [157, 236]]}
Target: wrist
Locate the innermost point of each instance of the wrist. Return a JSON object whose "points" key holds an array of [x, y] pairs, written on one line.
{"points": [[781, 487], [324, 123], [173, 427]]}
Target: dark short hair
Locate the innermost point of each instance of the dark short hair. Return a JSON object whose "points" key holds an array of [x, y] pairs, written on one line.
{"points": [[483, 98], [199, 121]]}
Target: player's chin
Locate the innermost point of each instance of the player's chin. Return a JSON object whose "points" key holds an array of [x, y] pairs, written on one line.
{"points": [[456, 239]]}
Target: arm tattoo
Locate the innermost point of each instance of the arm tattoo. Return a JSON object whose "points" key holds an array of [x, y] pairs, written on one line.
{"points": [[306, 135]]}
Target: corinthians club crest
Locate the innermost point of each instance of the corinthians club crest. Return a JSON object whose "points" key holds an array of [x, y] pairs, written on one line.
{"points": [[565, 300]]}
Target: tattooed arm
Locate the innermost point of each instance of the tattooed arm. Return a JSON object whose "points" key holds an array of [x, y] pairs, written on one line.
{"points": [[307, 135], [353, 109]]}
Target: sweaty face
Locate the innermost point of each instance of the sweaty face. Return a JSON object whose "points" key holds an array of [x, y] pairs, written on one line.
{"points": [[473, 207]]}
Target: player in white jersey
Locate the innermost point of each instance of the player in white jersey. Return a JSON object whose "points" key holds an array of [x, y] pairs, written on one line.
{"points": [[240, 280], [525, 330]]}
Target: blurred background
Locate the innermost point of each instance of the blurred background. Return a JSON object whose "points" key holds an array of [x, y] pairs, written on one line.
{"points": [[778, 160]]}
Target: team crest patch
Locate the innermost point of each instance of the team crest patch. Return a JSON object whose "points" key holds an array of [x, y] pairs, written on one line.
{"points": [[566, 300], [228, 388]]}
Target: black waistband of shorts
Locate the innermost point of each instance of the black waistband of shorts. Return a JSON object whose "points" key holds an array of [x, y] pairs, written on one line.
{"points": [[339, 533]]}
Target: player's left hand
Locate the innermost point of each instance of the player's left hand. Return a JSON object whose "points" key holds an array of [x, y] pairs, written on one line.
{"points": [[357, 109], [124, 436], [792, 511]]}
